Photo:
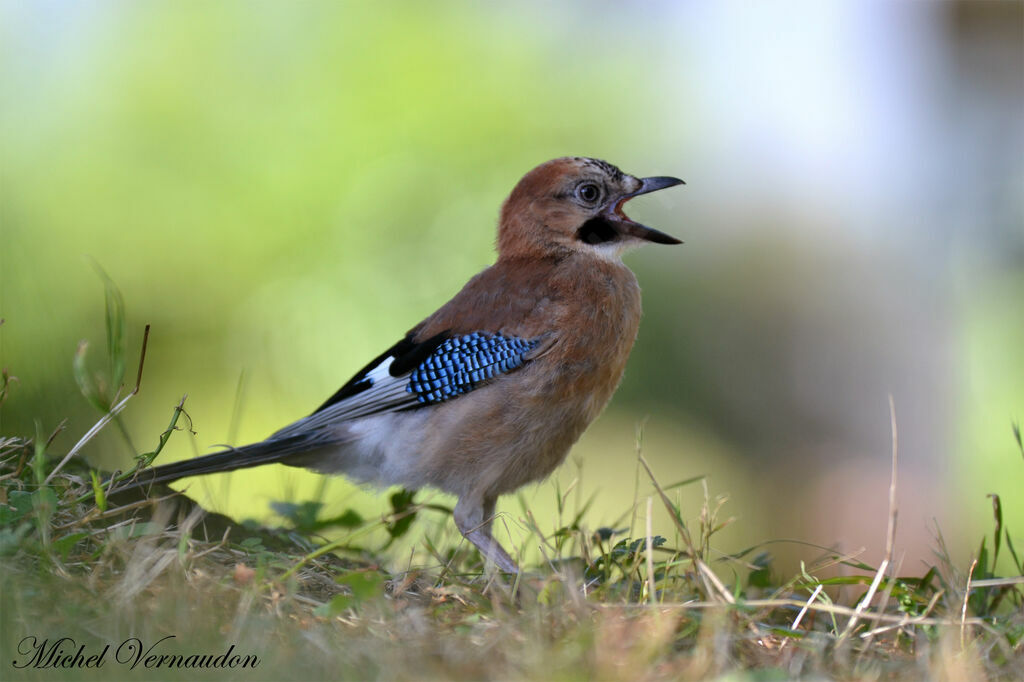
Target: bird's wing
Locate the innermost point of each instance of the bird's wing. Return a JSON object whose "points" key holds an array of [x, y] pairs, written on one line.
{"points": [[414, 374], [408, 375]]}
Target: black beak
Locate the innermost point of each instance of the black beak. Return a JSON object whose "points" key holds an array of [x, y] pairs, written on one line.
{"points": [[654, 184], [637, 230]]}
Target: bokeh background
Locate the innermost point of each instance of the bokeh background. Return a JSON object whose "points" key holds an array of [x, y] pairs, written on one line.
{"points": [[283, 189]]}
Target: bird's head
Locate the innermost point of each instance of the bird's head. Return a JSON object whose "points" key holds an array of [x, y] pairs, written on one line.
{"points": [[574, 204]]}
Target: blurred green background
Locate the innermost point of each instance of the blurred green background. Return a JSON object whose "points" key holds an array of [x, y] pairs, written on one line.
{"points": [[283, 189]]}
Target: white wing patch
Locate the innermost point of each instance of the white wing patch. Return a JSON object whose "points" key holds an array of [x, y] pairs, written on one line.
{"points": [[385, 393], [449, 368]]}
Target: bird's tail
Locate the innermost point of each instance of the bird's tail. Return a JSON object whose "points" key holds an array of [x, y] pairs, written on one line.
{"points": [[256, 454]]}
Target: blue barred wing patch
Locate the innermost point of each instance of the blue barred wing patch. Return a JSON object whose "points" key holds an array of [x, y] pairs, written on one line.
{"points": [[460, 363]]}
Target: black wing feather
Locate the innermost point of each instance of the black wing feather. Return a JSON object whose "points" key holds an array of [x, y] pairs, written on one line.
{"points": [[407, 354]]}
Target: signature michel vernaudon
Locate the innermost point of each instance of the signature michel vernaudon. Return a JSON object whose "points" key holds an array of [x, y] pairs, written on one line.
{"points": [[132, 653]]}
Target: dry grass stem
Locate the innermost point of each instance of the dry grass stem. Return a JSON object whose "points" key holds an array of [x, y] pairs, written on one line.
{"points": [[652, 593]]}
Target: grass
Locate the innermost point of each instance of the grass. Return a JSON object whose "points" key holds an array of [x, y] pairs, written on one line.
{"points": [[162, 583]]}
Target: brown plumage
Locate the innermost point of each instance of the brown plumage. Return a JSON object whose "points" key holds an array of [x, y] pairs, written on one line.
{"points": [[559, 285]]}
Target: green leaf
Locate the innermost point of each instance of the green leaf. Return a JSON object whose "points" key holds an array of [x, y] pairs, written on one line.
{"points": [[64, 545], [10, 538], [114, 317], [336, 606], [39, 458], [302, 515], [85, 383], [630, 548], [604, 534], [978, 599], [997, 511], [349, 519], [364, 585], [19, 503], [762, 575], [981, 570], [97, 491], [137, 530], [688, 481], [1013, 552], [100, 394], [842, 580], [44, 501], [252, 544], [859, 565], [402, 513]]}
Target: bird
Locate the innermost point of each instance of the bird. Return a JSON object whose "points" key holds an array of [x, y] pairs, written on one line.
{"points": [[491, 391]]}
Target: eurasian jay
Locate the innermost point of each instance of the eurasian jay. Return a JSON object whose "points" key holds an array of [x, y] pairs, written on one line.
{"points": [[489, 392]]}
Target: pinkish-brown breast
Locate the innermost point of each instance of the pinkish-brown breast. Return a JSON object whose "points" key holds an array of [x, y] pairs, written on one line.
{"points": [[519, 427]]}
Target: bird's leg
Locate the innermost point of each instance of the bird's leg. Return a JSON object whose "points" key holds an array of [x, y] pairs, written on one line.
{"points": [[474, 516]]}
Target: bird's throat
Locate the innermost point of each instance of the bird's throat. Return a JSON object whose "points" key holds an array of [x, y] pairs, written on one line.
{"points": [[598, 230]]}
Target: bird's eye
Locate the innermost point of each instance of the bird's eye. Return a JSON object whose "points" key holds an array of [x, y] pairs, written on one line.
{"points": [[588, 193]]}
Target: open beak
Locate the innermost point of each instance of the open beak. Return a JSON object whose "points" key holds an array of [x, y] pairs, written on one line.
{"points": [[635, 229]]}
